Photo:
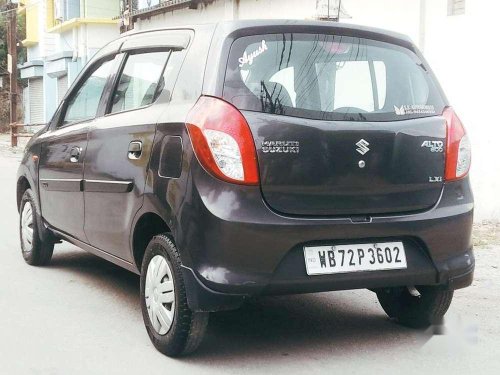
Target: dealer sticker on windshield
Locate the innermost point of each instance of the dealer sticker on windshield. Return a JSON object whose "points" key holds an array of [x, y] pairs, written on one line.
{"points": [[353, 258], [415, 109]]}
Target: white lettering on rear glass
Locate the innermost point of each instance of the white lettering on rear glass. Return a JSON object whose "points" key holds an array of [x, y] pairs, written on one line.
{"points": [[250, 57], [415, 109]]}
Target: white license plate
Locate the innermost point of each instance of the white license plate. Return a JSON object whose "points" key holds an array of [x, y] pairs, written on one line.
{"points": [[356, 257]]}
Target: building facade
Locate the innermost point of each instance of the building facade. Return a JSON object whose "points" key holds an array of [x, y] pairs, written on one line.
{"points": [[61, 36]]}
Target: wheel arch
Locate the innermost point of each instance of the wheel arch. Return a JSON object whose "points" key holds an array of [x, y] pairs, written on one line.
{"points": [[23, 184], [146, 227]]}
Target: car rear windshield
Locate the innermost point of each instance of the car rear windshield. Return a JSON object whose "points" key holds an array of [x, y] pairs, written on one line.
{"points": [[329, 77]]}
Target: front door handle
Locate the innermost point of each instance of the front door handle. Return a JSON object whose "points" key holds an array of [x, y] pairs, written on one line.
{"points": [[74, 154], [135, 150]]}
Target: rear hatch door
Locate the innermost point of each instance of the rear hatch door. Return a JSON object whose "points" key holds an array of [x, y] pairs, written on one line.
{"points": [[342, 125], [312, 167]]}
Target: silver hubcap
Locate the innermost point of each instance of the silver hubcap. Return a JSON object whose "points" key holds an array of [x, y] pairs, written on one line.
{"points": [[160, 294], [27, 227]]}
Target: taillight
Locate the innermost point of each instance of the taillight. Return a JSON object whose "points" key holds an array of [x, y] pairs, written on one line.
{"points": [[458, 148], [222, 141]]}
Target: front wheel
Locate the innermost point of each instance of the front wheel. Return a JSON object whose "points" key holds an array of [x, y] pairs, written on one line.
{"points": [[416, 307], [36, 251], [173, 328]]}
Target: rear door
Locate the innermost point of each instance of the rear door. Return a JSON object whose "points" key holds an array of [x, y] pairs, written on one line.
{"points": [[119, 149], [342, 125], [63, 151]]}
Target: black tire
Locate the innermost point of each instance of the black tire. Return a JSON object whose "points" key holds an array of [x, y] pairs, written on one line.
{"points": [[38, 252], [188, 327], [416, 311]]}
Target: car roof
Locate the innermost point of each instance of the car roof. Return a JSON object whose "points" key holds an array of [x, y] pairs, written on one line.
{"points": [[218, 38], [338, 26], [260, 25]]}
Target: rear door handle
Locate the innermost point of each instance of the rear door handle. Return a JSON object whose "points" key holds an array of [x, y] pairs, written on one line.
{"points": [[135, 150], [74, 154]]}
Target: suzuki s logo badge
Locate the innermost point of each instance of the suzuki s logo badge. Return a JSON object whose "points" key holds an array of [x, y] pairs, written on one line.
{"points": [[362, 146]]}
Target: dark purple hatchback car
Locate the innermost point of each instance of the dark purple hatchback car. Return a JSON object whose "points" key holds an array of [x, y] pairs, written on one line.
{"points": [[228, 161]]}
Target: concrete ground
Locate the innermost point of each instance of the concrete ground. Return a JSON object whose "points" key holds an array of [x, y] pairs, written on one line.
{"points": [[81, 315]]}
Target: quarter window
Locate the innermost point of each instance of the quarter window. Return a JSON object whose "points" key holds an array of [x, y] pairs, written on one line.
{"points": [[84, 104], [140, 81], [171, 73]]}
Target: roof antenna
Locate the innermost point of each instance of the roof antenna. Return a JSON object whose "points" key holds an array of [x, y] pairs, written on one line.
{"points": [[338, 11]]}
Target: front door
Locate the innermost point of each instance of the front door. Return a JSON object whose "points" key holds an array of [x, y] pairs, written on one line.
{"points": [[118, 154], [64, 147]]}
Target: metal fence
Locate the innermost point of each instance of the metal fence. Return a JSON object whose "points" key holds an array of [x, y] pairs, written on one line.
{"points": [[18, 130]]}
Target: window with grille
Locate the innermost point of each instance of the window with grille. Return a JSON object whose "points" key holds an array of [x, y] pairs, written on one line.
{"points": [[456, 7]]}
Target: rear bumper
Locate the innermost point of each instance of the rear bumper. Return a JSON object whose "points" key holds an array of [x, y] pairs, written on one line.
{"points": [[237, 246], [459, 274], [453, 274], [202, 298]]}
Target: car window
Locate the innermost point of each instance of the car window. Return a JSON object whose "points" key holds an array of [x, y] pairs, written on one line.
{"points": [[330, 77], [285, 78], [353, 86], [84, 104], [140, 81], [171, 71]]}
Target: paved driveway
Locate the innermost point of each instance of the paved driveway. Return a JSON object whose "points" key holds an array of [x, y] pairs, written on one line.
{"points": [[81, 315]]}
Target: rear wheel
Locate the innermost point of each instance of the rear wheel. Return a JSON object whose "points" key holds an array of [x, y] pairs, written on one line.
{"points": [[35, 250], [172, 327], [417, 307]]}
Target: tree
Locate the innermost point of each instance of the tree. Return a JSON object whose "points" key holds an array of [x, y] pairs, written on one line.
{"points": [[21, 52]]}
